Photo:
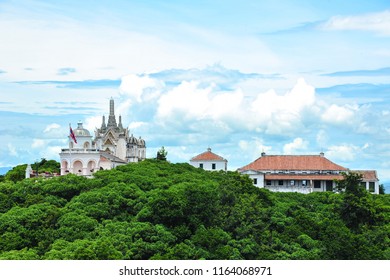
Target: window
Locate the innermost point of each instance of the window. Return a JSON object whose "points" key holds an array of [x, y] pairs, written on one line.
{"points": [[280, 183], [201, 165], [213, 166], [255, 181], [317, 184], [371, 187], [268, 182], [304, 183], [329, 186], [292, 183]]}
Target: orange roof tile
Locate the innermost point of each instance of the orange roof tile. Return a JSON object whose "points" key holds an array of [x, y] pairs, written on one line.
{"points": [[208, 155], [368, 175], [289, 162]]}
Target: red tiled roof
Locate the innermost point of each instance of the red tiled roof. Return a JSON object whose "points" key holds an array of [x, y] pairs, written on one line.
{"points": [[308, 162], [208, 155], [368, 175], [322, 177]]}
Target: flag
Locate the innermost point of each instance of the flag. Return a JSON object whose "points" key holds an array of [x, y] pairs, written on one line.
{"points": [[72, 135]]}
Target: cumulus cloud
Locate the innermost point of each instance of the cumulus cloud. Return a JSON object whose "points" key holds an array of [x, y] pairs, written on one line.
{"points": [[336, 114], [378, 23], [345, 152], [170, 106], [187, 108], [140, 87], [188, 99], [281, 114], [296, 146]]}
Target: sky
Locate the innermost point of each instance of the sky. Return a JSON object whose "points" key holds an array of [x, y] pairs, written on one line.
{"points": [[241, 77]]}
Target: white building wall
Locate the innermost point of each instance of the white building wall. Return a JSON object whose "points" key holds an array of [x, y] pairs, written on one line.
{"points": [[81, 140], [69, 158], [208, 165], [257, 178], [121, 148]]}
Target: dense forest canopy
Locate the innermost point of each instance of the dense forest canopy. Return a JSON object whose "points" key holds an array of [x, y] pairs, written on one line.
{"points": [[158, 210]]}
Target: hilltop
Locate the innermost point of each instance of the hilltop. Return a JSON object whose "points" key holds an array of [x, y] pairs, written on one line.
{"points": [[158, 210]]}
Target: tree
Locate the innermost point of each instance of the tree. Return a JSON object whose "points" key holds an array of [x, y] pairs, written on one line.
{"points": [[162, 154], [17, 173], [358, 207], [381, 189]]}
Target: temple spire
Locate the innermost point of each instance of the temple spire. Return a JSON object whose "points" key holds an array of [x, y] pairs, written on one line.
{"points": [[111, 118], [103, 123], [120, 126]]}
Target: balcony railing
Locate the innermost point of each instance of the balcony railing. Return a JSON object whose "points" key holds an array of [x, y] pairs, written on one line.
{"points": [[79, 150]]}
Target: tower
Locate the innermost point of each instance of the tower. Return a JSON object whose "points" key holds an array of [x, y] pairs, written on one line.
{"points": [[111, 118]]}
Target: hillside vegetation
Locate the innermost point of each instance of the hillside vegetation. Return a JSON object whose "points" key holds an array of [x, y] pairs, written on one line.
{"points": [[158, 210]]}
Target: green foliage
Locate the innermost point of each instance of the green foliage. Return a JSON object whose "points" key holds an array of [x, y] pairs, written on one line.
{"points": [[162, 154], [358, 208], [381, 189], [18, 173], [158, 210]]}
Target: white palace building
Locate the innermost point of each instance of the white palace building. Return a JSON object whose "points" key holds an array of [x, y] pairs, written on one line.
{"points": [[112, 146]]}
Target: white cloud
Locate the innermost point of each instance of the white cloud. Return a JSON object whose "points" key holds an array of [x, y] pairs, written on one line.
{"points": [[278, 114], [187, 99], [140, 88], [135, 125], [51, 152], [91, 123], [51, 127], [253, 148], [346, 152], [336, 114], [375, 22], [296, 146]]}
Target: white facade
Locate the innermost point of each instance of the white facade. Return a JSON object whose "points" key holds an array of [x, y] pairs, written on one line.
{"points": [[257, 177], [212, 165]]}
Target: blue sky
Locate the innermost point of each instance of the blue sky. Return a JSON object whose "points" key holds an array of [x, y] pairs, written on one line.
{"points": [[241, 77]]}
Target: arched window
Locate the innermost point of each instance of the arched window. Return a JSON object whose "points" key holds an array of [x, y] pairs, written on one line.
{"points": [[91, 167], [86, 145], [77, 167], [64, 165]]}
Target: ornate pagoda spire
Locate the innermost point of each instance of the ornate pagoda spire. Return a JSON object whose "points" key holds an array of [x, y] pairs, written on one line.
{"points": [[103, 124], [111, 118], [120, 126]]}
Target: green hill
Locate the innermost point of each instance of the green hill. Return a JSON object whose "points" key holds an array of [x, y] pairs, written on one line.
{"points": [[158, 210]]}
